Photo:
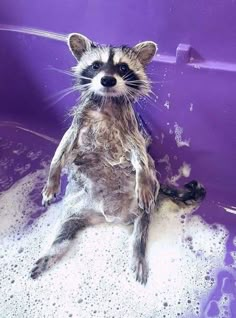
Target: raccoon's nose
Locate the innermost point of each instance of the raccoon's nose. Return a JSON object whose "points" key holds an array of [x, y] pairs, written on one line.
{"points": [[108, 81]]}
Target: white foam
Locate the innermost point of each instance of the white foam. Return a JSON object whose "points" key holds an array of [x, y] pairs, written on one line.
{"points": [[233, 255], [166, 160], [234, 241], [15, 205], [94, 278], [221, 306], [178, 137], [167, 104], [183, 171]]}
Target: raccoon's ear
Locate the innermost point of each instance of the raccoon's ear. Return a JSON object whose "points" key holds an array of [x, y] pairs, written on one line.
{"points": [[78, 44], [145, 50]]}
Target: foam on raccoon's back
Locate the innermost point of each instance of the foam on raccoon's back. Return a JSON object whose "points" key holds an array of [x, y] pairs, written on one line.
{"points": [[94, 279]]}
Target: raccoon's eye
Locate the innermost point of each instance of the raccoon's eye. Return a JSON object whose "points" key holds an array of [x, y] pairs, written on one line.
{"points": [[96, 65], [123, 67]]}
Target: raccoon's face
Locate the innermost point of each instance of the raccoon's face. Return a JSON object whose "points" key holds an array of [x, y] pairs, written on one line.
{"points": [[107, 71]]}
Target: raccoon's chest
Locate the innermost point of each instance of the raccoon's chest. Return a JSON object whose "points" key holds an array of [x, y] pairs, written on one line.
{"points": [[101, 134]]}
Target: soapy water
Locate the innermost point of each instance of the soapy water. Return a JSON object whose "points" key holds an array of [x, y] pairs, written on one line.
{"points": [[94, 278]]}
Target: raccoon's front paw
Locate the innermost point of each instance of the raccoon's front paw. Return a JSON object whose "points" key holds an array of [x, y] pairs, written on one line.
{"points": [[145, 198], [146, 192], [49, 193], [140, 269]]}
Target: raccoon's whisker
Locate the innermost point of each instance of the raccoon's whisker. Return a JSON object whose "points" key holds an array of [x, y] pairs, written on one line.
{"points": [[148, 97], [143, 81], [143, 95], [84, 77], [78, 85], [63, 91], [85, 94], [149, 81], [158, 82], [52, 68], [151, 92], [83, 86], [141, 106], [134, 90], [138, 88], [137, 84], [151, 73], [151, 100], [139, 81], [64, 95], [131, 94], [135, 99], [127, 98]]}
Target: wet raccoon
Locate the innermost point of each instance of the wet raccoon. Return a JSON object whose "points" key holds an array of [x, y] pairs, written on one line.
{"points": [[111, 176]]}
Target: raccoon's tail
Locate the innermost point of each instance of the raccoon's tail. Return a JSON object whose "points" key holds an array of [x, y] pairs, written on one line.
{"points": [[192, 192]]}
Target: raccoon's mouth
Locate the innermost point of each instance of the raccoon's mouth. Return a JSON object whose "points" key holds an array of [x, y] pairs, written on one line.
{"points": [[109, 91]]}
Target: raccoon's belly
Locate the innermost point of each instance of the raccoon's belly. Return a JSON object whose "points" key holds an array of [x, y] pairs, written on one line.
{"points": [[112, 187], [96, 171], [103, 170]]}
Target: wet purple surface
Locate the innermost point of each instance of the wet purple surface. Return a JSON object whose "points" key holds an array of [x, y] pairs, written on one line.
{"points": [[200, 98]]}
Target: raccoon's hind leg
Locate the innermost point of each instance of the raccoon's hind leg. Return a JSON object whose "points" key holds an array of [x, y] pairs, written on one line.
{"points": [[63, 240], [192, 192], [140, 236]]}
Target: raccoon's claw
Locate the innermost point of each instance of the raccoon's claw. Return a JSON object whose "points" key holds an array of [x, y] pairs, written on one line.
{"points": [[49, 193], [147, 189], [140, 268], [40, 266], [145, 198]]}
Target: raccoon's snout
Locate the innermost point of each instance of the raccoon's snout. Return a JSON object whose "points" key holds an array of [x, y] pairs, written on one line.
{"points": [[108, 81]]}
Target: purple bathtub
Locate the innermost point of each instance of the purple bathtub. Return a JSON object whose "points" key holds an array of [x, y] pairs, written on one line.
{"points": [[191, 115]]}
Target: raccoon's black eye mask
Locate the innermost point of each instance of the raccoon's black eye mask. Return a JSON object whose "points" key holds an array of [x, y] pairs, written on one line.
{"points": [[122, 69]]}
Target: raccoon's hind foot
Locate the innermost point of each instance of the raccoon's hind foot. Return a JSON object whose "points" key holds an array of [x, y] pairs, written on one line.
{"points": [[64, 238], [42, 264], [140, 236], [140, 269]]}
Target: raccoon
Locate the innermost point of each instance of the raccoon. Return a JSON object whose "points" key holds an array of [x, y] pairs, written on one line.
{"points": [[111, 176]]}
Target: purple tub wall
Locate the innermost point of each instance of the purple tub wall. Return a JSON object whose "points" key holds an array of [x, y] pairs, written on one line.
{"points": [[195, 89]]}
